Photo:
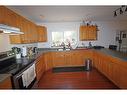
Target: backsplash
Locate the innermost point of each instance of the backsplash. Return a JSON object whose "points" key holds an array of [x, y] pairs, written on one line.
{"points": [[4, 43], [26, 45]]}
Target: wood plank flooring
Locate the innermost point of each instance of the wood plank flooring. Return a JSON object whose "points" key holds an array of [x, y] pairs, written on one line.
{"points": [[75, 80]]}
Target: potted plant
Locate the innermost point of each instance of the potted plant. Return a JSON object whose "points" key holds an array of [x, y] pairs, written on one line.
{"points": [[17, 52]]}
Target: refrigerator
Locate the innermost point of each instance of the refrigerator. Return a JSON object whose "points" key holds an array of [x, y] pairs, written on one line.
{"points": [[121, 40]]}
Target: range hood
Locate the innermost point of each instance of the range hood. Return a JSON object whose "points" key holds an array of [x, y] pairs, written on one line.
{"points": [[9, 30]]}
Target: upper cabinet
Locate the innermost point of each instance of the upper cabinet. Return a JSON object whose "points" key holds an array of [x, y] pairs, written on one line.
{"points": [[42, 33], [30, 32], [30, 35], [87, 33]]}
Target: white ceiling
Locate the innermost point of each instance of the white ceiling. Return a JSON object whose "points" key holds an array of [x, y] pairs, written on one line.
{"points": [[39, 14]]}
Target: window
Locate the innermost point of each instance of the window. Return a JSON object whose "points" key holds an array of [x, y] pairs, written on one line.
{"points": [[66, 37]]}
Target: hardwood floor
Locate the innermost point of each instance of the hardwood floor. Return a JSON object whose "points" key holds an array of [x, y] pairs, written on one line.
{"points": [[75, 80]]}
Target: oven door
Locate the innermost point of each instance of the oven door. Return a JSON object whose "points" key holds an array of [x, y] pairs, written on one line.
{"points": [[25, 79], [28, 76]]}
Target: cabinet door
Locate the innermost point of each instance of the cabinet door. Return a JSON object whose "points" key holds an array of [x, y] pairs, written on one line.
{"points": [[6, 18], [95, 60], [59, 59], [123, 77], [25, 36], [16, 39], [2, 14], [79, 58], [68, 59], [92, 35], [34, 33], [48, 60], [88, 33], [105, 67], [40, 67], [6, 84], [42, 33], [116, 73], [74, 58], [83, 33]]}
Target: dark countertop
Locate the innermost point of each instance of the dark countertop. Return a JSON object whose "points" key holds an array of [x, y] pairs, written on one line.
{"points": [[113, 53], [107, 51]]}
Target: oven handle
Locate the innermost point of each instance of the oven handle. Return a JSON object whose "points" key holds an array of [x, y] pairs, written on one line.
{"points": [[19, 75]]}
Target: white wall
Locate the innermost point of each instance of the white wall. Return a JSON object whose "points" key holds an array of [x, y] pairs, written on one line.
{"points": [[106, 35], [4, 43]]}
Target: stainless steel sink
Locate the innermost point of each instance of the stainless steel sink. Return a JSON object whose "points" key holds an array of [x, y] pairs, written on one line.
{"points": [[61, 49]]}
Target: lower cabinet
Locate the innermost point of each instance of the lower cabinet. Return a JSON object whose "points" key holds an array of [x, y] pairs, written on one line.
{"points": [[111, 68], [48, 60], [58, 59], [71, 58], [6, 84], [123, 77], [40, 67]]}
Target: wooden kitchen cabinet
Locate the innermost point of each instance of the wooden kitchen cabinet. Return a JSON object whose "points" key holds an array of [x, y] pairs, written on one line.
{"points": [[42, 33], [113, 68], [29, 30], [6, 84], [88, 33], [123, 77], [40, 67], [59, 59], [5, 15], [77, 58], [71, 58], [48, 60], [2, 15], [8, 17]]}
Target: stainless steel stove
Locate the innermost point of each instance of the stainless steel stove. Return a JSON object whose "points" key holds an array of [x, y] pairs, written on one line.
{"points": [[22, 70]]}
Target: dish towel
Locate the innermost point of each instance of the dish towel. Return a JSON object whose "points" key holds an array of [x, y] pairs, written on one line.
{"points": [[28, 76]]}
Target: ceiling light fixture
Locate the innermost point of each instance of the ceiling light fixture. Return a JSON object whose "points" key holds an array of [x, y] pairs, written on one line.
{"points": [[120, 10]]}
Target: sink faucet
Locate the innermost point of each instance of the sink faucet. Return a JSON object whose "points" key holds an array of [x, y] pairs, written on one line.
{"points": [[90, 44], [63, 45]]}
